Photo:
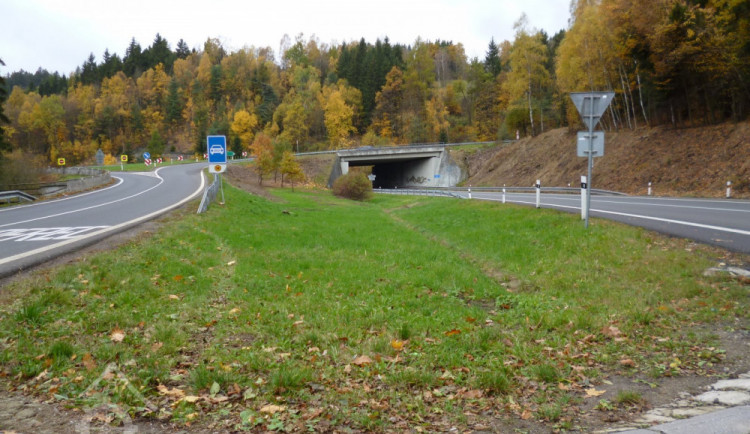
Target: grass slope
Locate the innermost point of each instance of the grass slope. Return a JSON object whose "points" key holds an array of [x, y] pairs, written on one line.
{"points": [[313, 313]]}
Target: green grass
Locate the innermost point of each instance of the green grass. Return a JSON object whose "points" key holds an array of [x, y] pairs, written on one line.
{"points": [[450, 301]]}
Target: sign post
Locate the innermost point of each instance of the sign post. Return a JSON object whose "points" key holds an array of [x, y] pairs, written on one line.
{"points": [[591, 106], [123, 159]]}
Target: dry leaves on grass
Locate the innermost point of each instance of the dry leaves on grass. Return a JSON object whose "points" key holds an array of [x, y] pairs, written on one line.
{"points": [[272, 409], [592, 392], [117, 335], [362, 361]]}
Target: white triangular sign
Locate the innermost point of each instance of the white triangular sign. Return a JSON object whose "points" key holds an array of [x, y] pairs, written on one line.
{"points": [[591, 105]]}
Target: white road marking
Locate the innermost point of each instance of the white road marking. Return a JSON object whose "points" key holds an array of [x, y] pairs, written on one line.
{"points": [[120, 181], [161, 181], [45, 234], [105, 230], [663, 220]]}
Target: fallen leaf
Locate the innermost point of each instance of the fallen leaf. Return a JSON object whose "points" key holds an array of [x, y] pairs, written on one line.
{"points": [[174, 393], [611, 331], [627, 362], [397, 344], [592, 392], [117, 335], [272, 409], [191, 398], [452, 332], [88, 362], [470, 319], [472, 394], [235, 311], [526, 414], [362, 361], [177, 278], [174, 297], [230, 263], [156, 346]]}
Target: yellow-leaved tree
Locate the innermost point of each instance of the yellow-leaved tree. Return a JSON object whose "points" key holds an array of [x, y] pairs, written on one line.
{"points": [[290, 169], [528, 74], [243, 127], [338, 119]]}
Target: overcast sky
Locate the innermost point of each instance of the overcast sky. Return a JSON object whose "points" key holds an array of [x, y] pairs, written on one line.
{"points": [[59, 35]]}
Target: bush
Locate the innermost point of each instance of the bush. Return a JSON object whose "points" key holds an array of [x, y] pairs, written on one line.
{"points": [[353, 185]]}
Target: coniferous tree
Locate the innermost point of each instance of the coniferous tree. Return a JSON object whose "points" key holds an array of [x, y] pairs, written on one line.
{"points": [[135, 62], [90, 71], [182, 51], [492, 59]]}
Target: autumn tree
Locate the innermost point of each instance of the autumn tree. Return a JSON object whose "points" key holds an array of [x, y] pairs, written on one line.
{"points": [[262, 149], [291, 169], [338, 118], [243, 127], [4, 144], [528, 75]]}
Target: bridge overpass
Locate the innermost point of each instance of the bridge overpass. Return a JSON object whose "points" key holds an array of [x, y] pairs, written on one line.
{"points": [[401, 167]]}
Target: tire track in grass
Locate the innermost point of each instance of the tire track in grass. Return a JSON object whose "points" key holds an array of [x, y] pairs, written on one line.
{"points": [[507, 281]]}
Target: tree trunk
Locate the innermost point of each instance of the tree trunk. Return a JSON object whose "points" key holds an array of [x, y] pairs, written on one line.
{"points": [[640, 92], [625, 96], [531, 109]]}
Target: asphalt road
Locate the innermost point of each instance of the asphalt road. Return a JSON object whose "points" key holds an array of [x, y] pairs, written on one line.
{"points": [[720, 222], [35, 233]]}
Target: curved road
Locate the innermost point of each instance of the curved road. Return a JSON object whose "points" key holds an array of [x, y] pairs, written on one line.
{"points": [[720, 222], [35, 233]]}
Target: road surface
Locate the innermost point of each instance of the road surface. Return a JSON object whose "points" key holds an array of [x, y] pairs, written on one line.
{"points": [[35, 233]]}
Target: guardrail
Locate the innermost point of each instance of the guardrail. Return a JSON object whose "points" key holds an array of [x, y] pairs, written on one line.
{"points": [[570, 190], [417, 192], [18, 195], [209, 194], [452, 191]]}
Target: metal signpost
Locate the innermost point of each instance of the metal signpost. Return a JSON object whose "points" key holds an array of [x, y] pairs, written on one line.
{"points": [[591, 106]]}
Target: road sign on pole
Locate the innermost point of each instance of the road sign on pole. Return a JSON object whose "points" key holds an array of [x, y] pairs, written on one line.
{"points": [[217, 149], [597, 145], [60, 161], [146, 156], [591, 107]]}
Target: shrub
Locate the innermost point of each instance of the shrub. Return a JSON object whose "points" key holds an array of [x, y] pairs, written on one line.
{"points": [[353, 185]]}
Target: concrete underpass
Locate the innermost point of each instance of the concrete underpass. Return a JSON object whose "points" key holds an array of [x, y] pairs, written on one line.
{"points": [[403, 167]]}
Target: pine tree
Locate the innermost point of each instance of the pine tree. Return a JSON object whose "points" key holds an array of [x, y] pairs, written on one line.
{"points": [[133, 62], [182, 51], [492, 59]]}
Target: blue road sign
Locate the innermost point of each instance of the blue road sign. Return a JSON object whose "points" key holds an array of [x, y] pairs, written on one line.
{"points": [[146, 156], [217, 149]]}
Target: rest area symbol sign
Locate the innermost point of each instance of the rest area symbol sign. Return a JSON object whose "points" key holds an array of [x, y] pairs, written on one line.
{"points": [[217, 149]]}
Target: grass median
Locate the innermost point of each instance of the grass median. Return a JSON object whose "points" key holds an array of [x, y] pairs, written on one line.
{"points": [[312, 312]]}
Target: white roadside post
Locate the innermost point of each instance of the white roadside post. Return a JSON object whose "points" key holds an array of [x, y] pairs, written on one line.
{"points": [[584, 208], [503, 193], [469, 191], [729, 189], [649, 189], [538, 193]]}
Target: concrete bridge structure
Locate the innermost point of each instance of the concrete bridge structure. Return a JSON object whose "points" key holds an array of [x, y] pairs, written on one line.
{"points": [[401, 167]]}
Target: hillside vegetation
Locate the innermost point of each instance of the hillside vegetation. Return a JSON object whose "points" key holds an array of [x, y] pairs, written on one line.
{"points": [[687, 161], [669, 62]]}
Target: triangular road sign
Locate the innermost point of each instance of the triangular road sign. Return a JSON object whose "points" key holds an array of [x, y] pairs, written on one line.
{"points": [[591, 105]]}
